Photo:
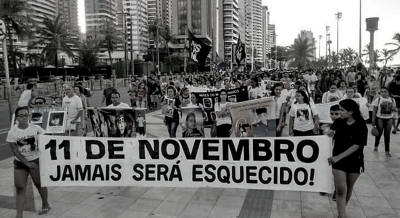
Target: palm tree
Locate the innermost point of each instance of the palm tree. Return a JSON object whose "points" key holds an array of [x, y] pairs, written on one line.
{"points": [[110, 37], [88, 53], [387, 55], [167, 38], [301, 53], [55, 36], [350, 55], [376, 53], [15, 15], [396, 38]]}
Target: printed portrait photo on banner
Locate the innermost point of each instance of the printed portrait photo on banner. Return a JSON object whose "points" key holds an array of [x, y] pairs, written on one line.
{"points": [[56, 122], [94, 120], [192, 122], [37, 117], [140, 118]]}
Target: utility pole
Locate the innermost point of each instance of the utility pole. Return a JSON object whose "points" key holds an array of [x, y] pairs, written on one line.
{"points": [[338, 16], [276, 53], [319, 52], [3, 34], [359, 40]]}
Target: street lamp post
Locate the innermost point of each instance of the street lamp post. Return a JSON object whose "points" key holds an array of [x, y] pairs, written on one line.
{"points": [[276, 52], [338, 16], [319, 52], [326, 48]]}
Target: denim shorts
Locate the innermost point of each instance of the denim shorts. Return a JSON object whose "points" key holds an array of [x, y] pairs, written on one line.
{"points": [[18, 165]]}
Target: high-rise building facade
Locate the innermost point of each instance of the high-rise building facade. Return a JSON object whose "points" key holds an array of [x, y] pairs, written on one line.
{"points": [[96, 11], [305, 34], [195, 15], [272, 36], [68, 9], [266, 47], [253, 21], [227, 16], [137, 25], [160, 13], [41, 9]]}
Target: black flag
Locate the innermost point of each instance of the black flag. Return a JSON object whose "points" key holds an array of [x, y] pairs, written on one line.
{"points": [[240, 52], [198, 51]]}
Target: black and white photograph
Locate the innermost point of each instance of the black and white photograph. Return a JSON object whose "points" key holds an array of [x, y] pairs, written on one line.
{"points": [[56, 122]]}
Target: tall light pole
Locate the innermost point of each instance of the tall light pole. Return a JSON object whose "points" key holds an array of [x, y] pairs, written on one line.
{"points": [[326, 38], [319, 53], [338, 16]]}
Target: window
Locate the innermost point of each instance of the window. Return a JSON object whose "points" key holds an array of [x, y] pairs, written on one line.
{"points": [[196, 17], [182, 17]]}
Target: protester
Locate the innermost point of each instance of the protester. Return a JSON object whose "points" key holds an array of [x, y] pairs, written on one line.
{"points": [[254, 90], [82, 125], [107, 93], [155, 92], [40, 102], [372, 90], [116, 102], [280, 106], [184, 96], [173, 122], [332, 95], [74, 110], [383, 112], [140, 124], [224, 121], [361, 83], [304, 120], [394, 90], [341, 86], [27, 96], [350, 135], [24, 145]]}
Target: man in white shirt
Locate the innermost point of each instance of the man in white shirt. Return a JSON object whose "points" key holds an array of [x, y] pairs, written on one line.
{"points": [[311, 80], [74, 107], [254, 90], [26, 96], [116, 103]]}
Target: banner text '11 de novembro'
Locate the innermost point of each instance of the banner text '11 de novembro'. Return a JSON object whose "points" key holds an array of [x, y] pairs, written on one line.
{"points": [[295, 163]]}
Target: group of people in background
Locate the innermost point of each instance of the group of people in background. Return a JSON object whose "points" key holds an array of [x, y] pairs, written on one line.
{"points": [[295, 94]]}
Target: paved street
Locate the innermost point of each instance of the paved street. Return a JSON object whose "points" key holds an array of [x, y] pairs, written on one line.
{"points": [[377, 194]]}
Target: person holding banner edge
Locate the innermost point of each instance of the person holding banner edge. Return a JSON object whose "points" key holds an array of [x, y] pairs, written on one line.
{"points": [[280, 105], [350, 134], [23, 143]]}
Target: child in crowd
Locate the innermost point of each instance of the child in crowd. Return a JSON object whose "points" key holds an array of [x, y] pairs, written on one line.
{"points": [[332, 95], [324, 129]]}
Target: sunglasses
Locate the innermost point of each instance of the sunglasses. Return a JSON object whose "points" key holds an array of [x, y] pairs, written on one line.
{"points": [[23, 115]]}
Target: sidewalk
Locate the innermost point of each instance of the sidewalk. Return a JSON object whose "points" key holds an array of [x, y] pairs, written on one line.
{"points": [[376, 194]]}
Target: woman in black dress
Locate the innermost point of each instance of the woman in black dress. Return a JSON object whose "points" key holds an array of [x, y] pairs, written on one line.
{"points": [[350, 135]]}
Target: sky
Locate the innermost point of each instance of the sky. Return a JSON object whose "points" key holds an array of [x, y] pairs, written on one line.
{"points": [[292, 16]]}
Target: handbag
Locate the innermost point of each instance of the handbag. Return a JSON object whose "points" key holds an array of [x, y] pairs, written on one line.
{"points": [[374, 131]]}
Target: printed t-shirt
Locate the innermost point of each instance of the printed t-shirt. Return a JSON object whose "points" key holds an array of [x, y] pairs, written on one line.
{"points": [[303, 116], [26, 140], [226, 118], [385, 107]]}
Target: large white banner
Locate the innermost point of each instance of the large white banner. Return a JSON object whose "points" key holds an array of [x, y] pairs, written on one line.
{"points": [[324, 109], [295, 163]]}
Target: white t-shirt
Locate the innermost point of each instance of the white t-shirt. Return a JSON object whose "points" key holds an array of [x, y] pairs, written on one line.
{"points": [[26, 140], [255, 93], [121, 105], [292, 95], [25, 97], [311, 81], [331, 97], [140, 121], [303, 116], [226, 118], [278, 106], [385, 107], [73, 105]]}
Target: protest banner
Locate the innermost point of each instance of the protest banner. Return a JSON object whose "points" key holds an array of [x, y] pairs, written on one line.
{"points": [[56, 122], [118, 122], [209, 99], [268, 84], [324, 109], [192, 122], [293, 163], [166, 107], [254, 118]]}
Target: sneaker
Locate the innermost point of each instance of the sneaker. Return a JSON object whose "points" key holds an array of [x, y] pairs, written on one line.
{"points": [[375, 148], [334, 196], [388, 154], [394, 131]]}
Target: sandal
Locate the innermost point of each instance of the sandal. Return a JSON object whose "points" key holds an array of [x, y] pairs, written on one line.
{"points": [[43, 211]]}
